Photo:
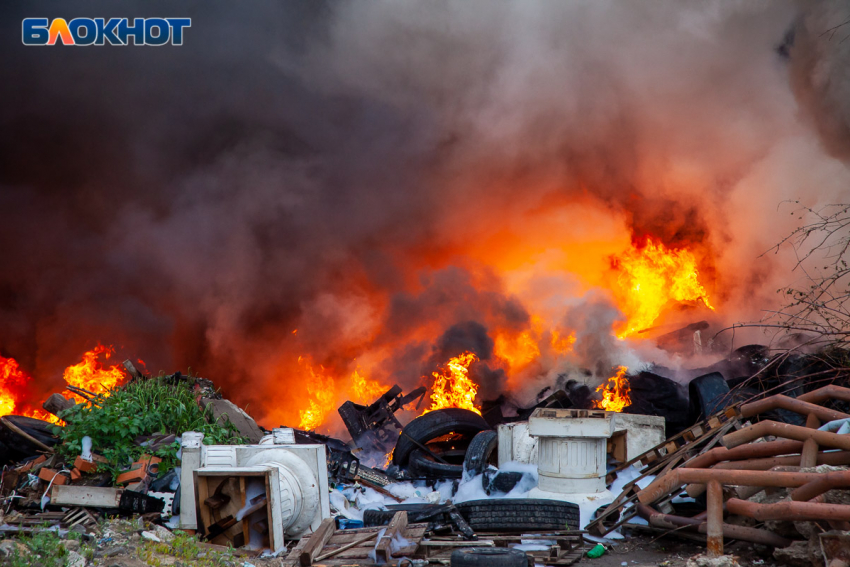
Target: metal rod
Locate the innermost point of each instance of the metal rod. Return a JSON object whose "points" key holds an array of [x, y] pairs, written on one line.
{"points": [[792, 511], [781, 401], [786, 431], [714, 521]]}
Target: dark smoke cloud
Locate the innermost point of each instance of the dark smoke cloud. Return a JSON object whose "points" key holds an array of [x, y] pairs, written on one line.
{"points": [[299, 165]]}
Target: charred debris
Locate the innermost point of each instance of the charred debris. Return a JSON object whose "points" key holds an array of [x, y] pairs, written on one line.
{"points": [[753, 452]]}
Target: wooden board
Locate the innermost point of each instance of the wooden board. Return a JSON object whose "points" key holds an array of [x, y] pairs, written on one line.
{"points": [[413, 533]]}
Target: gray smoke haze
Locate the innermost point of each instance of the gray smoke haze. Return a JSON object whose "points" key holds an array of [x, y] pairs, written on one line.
{"points": [[348, 169]]}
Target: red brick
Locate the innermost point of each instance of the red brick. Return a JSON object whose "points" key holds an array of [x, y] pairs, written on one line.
{"points": [[84, 465], [134, 475], [48, 475]]}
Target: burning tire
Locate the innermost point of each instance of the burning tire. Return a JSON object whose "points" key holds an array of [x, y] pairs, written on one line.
{"points": [[509, 514], [481, 452], [435, 424], [489, 557]]}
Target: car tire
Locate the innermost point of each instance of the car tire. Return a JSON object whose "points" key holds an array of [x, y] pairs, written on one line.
{"points": [[511, 514], [481, 451], [489, 557], [435, 424]]}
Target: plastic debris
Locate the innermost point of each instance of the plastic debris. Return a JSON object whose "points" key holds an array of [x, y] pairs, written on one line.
{"points": [[597, 551]]}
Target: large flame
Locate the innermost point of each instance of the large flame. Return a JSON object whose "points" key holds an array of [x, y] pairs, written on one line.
{"points": [[364, 390], [91, 375], [615, 393], [453, 388], [320, 387], [12, 378], [652, 276]]}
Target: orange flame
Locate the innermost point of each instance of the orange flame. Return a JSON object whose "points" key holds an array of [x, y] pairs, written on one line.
{"points": [[92, 376], [11, 379], [320, 386], [453, 387], [363, 390], [562, 344], [651, 277], [615, 394]]}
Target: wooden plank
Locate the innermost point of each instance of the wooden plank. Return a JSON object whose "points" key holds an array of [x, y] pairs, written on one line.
{"points": [[396, 528], [347, 546], [95, 497], [317, 541]]}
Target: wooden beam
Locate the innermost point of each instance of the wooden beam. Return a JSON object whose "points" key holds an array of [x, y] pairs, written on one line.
{"points": [[316, 542], [383, 553]]}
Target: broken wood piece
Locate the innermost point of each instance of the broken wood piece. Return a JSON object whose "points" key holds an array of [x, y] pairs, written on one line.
{"points": [[316, 542], [57, 403], [261, 527], [383, 553], [347, 546], [8, 423], [257, 503], [132, 370], [220, 527], [225, 410], [91, 496]]}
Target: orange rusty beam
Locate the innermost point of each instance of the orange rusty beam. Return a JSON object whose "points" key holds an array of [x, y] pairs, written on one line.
{"points": [[786, 431], [780, 401]]}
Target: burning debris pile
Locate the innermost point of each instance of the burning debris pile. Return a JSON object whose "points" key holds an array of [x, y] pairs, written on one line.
{"points": [[760, 458]]}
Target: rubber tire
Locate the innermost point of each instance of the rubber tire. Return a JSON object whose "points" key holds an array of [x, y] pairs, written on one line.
{"points": [[489, 557], [421, 464], [373, 518], [480, 450], [511, 514], [500, 481], [435, 424], [708, 395]]}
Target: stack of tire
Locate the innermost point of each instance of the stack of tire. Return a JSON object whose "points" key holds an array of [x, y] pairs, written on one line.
{"points": [[472, 444]]}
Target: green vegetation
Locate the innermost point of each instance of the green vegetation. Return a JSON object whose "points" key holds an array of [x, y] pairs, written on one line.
{"points": [[184, 548], [144, 407], [45, 548]]}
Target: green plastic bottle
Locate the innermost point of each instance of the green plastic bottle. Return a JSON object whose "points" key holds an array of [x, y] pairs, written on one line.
{"points": [[597, 551]]}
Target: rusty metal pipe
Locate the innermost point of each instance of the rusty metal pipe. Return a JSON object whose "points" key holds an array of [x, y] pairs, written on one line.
{"points": [[823, 458], [749, 451], [792, 511], [824, 482], [714, 521], [698, 524], [781, 401], [695, 490], [786, 431], [669, 482], [830, 392]]}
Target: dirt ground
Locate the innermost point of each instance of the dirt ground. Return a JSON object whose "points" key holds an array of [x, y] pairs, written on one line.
{"points": [[645, 551]]}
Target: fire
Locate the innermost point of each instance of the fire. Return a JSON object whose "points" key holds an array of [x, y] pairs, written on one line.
{"points": [[453, 387], [518, 351], [12, 378], [615, 394], [91, 375], [652, 276], [363, 390], [320, 386], [562, 344]]}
